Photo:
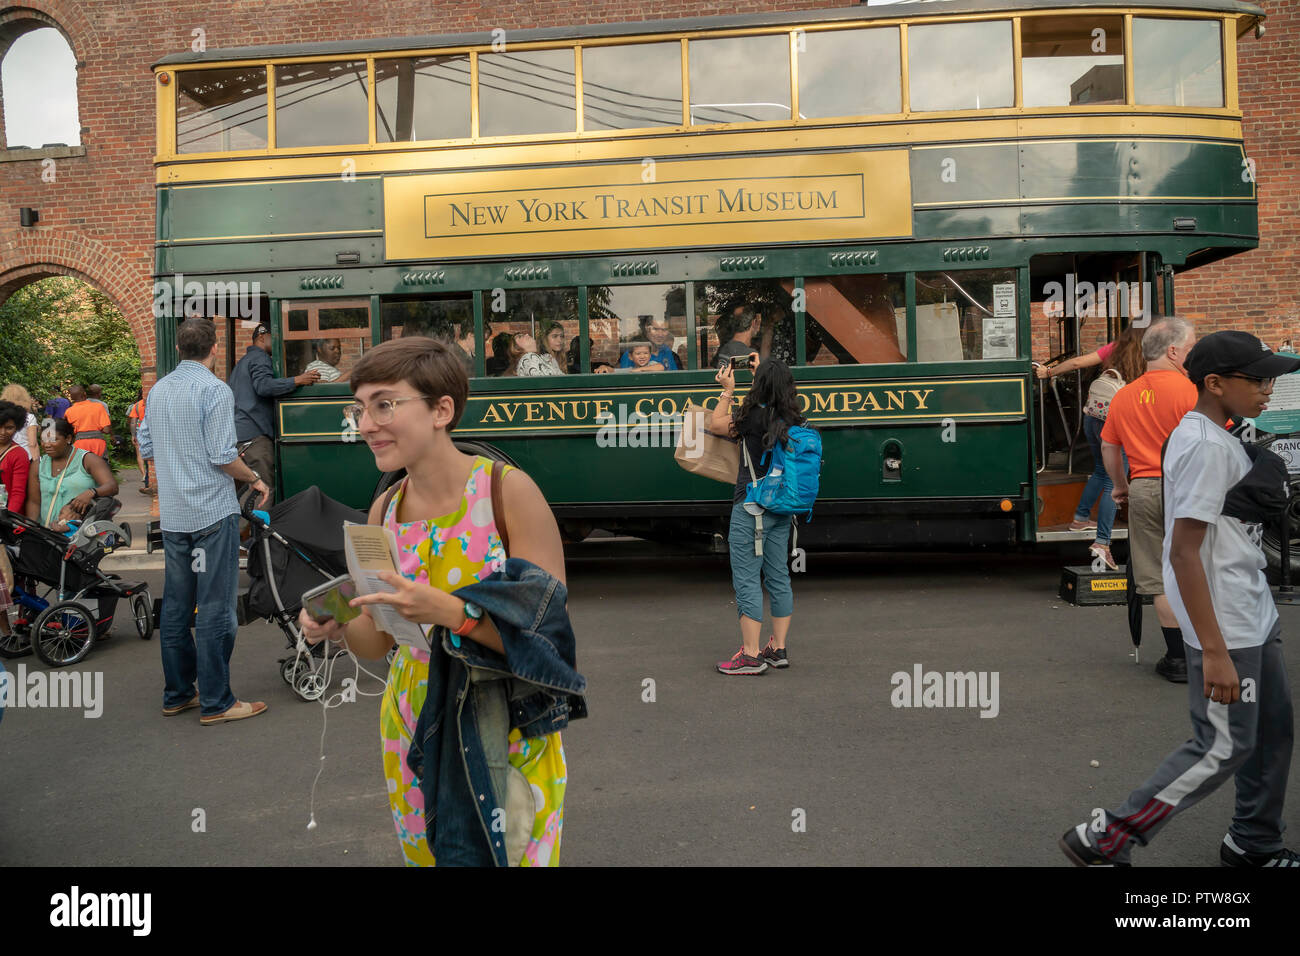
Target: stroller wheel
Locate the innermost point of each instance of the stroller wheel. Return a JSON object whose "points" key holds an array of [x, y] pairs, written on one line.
{"points": [[310, 686], [142, 611], [15, 644], [63, 634], [291, 668]]}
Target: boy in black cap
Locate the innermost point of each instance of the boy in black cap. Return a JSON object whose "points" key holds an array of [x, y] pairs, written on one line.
{"points": [[1216, 494]]}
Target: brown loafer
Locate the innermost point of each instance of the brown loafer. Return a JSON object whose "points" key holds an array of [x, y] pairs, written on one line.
{"points": [[239, 711], [173, 711]]}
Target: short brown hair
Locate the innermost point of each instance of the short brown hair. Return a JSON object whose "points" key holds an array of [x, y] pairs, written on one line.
{"points": [[425, 363], [195, 338]]}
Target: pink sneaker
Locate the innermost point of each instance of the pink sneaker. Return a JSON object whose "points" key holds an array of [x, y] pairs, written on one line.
{"points": [[742, 663]]}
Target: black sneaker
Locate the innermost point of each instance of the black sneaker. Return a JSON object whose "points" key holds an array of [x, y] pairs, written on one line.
{"points": [[1075, 845], [1232, 855], [1172, 669], [774, 657]]}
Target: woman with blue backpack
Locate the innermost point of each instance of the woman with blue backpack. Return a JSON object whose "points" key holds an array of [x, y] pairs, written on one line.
{"points": [[773, 443]]}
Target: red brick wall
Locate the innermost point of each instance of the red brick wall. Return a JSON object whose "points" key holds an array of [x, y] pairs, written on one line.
{"points": [[97, 218], [1259, 291]]}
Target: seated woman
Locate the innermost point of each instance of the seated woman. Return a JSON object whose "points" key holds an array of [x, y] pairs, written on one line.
{"points": [[531, 362], [72, 479]]}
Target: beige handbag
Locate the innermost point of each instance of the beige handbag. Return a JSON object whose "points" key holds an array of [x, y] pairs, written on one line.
{"points": [[703, 453]]}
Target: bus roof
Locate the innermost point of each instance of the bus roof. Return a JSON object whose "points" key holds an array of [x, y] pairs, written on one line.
{"points": [[905, 8]]}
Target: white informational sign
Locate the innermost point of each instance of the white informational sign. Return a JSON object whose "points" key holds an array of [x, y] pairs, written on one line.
{"points": [[1283, 413], [1004, 299], [1288, 449], [999, 337]]}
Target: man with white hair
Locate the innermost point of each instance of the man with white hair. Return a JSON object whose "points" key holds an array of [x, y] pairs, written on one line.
{"points": [[1142, 416]]}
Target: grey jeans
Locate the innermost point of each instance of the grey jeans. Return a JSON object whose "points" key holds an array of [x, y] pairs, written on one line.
{"points": [[1250, 740]]}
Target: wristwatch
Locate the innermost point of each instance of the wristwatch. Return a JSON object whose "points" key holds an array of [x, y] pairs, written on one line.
{"points": [[473, 614]]}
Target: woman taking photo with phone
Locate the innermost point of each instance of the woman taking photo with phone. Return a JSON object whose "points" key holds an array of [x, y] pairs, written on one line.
{"points": [[763, 419], [410, 395]]}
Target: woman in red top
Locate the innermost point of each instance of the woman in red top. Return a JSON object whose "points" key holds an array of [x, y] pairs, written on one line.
{"points": [[13, 457]]}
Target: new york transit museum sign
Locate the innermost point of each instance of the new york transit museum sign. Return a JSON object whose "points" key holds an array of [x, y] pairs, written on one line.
{"points": [[634, 205]]}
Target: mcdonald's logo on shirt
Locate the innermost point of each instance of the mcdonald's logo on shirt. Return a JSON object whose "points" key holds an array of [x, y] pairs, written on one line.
{"points": [[1147, 396]]}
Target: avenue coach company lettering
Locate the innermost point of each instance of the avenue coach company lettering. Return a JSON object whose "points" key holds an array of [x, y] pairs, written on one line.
{"points": [[645, 204], [824, 404]]}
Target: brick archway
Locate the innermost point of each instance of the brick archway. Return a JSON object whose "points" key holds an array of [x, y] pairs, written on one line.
{"points": [[30, 258], [66, 16]]}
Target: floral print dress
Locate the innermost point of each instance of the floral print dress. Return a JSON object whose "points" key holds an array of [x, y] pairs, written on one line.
{"points": [[451, 552]]}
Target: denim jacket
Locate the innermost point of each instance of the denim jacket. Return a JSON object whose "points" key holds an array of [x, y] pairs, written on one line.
{"points": [[478, 809]]}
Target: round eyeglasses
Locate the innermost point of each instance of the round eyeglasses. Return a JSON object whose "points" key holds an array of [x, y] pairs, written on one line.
{"points": [[381, 412]]}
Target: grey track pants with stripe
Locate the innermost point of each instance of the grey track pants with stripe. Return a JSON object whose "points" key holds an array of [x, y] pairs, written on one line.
{"points": [[1250, 740]]}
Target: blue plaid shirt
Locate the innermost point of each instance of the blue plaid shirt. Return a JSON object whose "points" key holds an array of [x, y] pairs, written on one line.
{"points": [[189, 432]]}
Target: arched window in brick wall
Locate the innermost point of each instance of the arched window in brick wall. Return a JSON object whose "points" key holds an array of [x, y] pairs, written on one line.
{"points": [[38, 83]]}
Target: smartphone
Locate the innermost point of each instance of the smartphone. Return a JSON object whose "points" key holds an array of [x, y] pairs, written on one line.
{"points": [[329, 601], [740, 361]]}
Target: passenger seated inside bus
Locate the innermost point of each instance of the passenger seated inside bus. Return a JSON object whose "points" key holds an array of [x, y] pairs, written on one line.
{"points": [[503, 359], [531, 362], [657, 337], [736, 332], [575, 358], [328, 352]]}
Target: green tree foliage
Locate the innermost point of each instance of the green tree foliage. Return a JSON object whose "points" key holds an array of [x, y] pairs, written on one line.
{"points": [[59, 332]]}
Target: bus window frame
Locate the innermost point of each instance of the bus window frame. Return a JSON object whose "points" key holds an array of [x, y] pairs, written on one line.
{"points": [[167, 99], [281, 335]]}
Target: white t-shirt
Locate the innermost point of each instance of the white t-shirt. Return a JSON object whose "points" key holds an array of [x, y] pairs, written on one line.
{"points": [[20, 437], [1201, 463], [328, 373]]}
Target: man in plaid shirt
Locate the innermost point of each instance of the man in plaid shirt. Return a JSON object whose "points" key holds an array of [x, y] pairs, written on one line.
{"points": [[189, 432]]}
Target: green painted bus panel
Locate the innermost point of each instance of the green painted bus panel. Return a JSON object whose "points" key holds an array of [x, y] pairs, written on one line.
{"points": [[1079, 169], [254, 210], [1137, 168], [958, 173], [314, 255], [346, 473], [1120, 223]]}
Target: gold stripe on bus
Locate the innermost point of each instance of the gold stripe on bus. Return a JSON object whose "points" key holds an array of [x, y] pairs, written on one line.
{"points": [[918, 131]]}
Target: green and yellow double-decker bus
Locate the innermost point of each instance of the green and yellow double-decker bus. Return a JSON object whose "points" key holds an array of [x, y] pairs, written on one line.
{"points": [[908, 198]]}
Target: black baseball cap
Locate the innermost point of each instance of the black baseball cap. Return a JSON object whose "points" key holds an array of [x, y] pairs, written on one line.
{"points": [[1222, 352], [260, 331]]}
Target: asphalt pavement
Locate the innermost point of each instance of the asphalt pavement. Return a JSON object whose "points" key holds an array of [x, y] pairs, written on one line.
{"points": [[811, 765]]}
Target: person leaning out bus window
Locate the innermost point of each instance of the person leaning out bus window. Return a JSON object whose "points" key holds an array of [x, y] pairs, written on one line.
{"points": [[763, 419], [410, 395]]}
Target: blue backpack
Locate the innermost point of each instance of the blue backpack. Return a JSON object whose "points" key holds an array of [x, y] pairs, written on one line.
{"points": [[791, 483]]}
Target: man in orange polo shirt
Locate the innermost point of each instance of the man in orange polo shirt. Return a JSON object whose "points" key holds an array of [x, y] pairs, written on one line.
{"points": [[91, 421], [1141, 417]]}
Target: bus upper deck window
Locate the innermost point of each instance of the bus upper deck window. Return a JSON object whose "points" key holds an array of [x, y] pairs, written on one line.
{"points": [[1072, 61], [1177, 62], [422, 98], [850, 73], [740, 79], [961, 66], [633, 86], [320, 104], [529, 91], [220, 110]]}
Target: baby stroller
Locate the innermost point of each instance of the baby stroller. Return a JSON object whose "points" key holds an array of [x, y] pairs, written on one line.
{"points": [[293, 548], [65, 602]]}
